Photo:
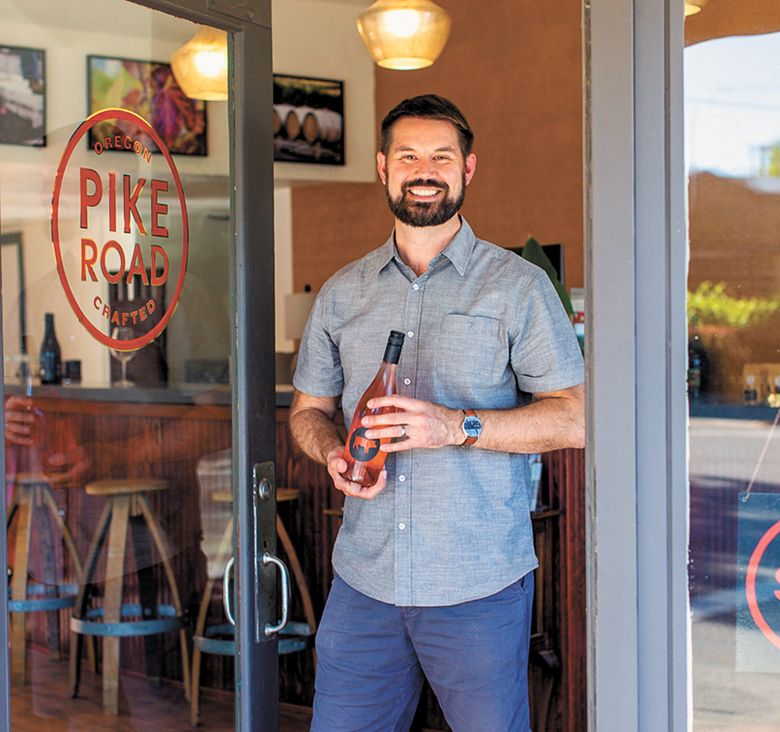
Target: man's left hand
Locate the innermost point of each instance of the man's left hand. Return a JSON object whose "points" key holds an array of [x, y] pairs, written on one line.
{"points": [[416, 424]]}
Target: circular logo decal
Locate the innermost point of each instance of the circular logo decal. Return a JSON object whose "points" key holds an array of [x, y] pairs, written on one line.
{"points": [[361, 448], [753, 571], [124, 226]]}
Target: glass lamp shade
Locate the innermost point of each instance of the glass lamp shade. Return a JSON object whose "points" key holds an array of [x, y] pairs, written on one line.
{"points": [[200, 65], [694, 6], [404, 34]]}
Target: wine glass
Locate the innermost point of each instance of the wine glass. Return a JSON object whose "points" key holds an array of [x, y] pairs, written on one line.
{"points": [[123, 334]]}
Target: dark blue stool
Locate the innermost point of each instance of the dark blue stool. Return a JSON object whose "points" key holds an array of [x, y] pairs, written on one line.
{"points": [[219, 639], [125, 508]]}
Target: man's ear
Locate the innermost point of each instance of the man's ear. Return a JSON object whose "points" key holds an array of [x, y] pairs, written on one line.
{"points": [[471, 167], [381, 167]]}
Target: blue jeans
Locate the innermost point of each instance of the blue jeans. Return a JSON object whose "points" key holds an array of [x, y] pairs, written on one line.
{"points": [[372, 658]]}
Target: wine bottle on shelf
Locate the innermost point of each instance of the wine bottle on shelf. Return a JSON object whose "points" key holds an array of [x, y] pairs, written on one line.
{"points": [[50, 358], [364, 458], [750, 392]]}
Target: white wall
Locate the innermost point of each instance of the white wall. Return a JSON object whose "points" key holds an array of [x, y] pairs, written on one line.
{"points": [[316, 38], [319, 38]]}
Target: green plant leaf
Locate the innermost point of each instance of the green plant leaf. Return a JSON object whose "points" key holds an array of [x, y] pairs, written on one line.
{"points": [[710, 304], [533, 252]]}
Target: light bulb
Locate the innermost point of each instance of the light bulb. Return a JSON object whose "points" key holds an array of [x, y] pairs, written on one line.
{"points": [[210, 63], [401, 23]]}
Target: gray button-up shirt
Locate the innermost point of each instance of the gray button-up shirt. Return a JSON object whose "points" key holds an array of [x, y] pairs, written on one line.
{"points": [[484, 328]]}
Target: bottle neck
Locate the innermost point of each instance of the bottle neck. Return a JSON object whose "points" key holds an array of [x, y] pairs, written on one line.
{"points": [[392, 354], [387, 372]]}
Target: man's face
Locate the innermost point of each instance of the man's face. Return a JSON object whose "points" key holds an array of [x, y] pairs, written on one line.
{"points": [[424, 172]]}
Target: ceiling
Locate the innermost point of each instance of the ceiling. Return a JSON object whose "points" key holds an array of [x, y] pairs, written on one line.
{"points": [[134, 20]]}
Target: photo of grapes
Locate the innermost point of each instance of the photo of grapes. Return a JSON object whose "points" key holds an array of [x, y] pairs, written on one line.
{"points": [[308, 120], [149, 89]]}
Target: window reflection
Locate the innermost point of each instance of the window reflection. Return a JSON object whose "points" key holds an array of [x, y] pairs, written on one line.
{"points": [[732, 133]]}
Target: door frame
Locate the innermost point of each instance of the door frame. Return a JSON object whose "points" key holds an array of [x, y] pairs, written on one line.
{"points": [[636, 274], [252, 366]]}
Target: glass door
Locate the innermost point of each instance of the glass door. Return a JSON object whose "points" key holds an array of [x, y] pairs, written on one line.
{"points": [[137, 320], [732, 97]]}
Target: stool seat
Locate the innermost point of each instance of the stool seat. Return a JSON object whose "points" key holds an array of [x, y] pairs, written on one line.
{"points": [[282, 495], [125, 486], [287, 494], [27, 479]]}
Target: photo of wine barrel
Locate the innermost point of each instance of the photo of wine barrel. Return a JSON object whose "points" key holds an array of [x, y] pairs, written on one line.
{"points": [[293, 123], [280, 118], [308, 120], [321, 124]]}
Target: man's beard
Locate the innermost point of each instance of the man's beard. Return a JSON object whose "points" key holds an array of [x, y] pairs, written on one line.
{"points": [[426, 213]]}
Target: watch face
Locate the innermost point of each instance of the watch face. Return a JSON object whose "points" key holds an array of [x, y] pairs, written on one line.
{"points": [[472, 426]]}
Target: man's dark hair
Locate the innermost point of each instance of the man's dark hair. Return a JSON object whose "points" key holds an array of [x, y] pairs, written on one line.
{"points": [[430, 106]]}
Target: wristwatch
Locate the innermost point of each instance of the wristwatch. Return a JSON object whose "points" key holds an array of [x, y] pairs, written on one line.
{"points": [[471, 426]]}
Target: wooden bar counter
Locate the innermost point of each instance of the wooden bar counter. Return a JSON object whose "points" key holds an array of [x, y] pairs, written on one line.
{"points": [[162, 433]]}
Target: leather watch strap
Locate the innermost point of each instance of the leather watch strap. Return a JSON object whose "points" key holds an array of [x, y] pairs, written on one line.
{"points": [[469, 440]]}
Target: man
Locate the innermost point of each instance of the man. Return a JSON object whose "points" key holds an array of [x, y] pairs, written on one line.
{"points": [[434, 563]]}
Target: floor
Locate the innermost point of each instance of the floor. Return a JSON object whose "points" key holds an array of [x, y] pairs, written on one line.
{"points": [[44, 705]]}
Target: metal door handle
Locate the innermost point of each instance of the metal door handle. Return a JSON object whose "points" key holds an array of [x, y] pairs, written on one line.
{"points": [[271, 559], [226, 590]]}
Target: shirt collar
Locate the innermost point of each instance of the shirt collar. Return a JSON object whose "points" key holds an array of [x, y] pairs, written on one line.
{"points": [[458, 251]]}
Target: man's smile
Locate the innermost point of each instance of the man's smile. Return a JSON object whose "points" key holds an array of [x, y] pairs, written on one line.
{"points": [[420, 192]]}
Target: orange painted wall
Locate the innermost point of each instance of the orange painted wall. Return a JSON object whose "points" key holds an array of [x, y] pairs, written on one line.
{"points": [[515, 69]]}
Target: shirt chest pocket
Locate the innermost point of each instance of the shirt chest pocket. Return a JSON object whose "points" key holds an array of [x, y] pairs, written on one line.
{"points": [[471, 353]]}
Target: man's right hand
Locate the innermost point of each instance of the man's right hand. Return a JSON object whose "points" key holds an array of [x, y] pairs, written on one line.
{"points": [[337, 465], [19, 421]]}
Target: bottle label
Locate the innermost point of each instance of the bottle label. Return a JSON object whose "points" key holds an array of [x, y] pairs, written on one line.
{"points": [[361, 448]]}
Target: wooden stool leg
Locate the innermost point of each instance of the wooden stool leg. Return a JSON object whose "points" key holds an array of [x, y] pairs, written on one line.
{"points": [[19, 586], [70, 545], [112, 601], [147, 594], [300, 580], [80, 608], [225, 545], [50, 575], [165, 554]]}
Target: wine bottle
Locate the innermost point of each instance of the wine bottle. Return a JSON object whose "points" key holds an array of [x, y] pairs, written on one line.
{"points": [[50, 359], [364, 458]]}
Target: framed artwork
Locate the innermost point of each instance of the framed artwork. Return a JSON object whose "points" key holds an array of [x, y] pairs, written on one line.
{"points": [[22, 96], [148, 88], [14, 293], [308, 120]]}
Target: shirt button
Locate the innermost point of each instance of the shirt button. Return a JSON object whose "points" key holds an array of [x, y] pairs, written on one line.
{"points": [[401, 478], [415, 287], [410, 334], [402, 526], [407, 381]]}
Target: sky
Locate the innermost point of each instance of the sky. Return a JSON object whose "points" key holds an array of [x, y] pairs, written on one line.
{"points": [[732, 103]]}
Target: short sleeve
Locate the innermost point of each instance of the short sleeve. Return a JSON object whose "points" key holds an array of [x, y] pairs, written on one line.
{"points": [[319, 371], [545, 354]]}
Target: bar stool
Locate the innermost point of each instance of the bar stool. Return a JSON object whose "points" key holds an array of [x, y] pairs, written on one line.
{"points": [[33, 491], [126, 507], [213, 471]]}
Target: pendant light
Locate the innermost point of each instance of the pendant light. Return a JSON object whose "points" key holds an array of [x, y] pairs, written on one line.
{"points": [[404, 34], [200, 65], [694, 6]]}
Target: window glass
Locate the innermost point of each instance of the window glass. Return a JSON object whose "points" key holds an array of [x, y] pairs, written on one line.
{"points": [[732, 127]]}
